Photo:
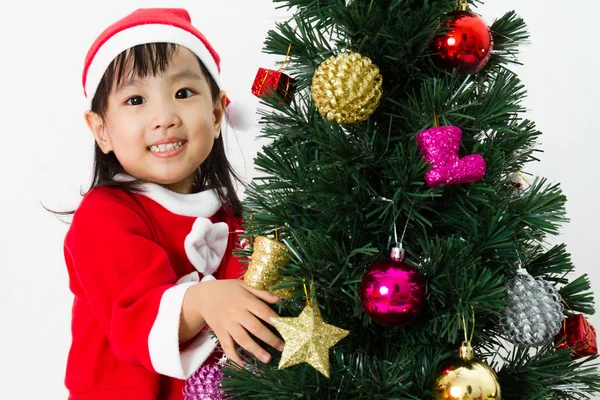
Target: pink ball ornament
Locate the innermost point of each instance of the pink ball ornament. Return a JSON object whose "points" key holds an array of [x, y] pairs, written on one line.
{"points": [[393, 292]]}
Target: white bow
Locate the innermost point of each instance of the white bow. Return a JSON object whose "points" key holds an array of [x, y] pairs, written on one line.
{"points": [[205, 246]]}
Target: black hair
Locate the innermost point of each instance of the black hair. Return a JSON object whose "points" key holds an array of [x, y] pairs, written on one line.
{"points": [[143, 60]]}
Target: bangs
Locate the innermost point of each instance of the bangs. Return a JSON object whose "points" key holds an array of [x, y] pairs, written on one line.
{"points": [[140, 61]]}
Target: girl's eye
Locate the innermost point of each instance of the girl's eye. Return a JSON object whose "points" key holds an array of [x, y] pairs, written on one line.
{"points": [[184, 93], [135, 100]]}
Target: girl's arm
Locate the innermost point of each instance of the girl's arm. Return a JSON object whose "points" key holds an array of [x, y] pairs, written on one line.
{"points": [[190, 322]]}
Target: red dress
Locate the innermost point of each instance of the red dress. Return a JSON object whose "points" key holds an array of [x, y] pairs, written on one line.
{"points": [[131, 257]]}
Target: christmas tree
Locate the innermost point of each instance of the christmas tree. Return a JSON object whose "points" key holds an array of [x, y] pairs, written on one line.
{"points": [[394, 214]]}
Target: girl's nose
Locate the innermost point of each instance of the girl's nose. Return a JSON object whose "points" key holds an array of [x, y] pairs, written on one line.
{"points": [[165, 116]]}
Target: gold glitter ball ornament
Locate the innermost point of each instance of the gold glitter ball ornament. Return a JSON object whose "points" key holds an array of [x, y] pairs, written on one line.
{"points": [[263, 269], [307, 339], [347, 88], [467, 379]]}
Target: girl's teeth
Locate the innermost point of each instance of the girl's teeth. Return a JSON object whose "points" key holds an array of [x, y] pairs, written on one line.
{"points": [[165, 147]]}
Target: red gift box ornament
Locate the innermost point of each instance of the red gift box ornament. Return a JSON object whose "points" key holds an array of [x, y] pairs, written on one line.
{"points": [[267, 80], [578, 335]]}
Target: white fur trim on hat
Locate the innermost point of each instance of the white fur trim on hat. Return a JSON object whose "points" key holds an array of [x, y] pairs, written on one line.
{"points": [[150, 33]]}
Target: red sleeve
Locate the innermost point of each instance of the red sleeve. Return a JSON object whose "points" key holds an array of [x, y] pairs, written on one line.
{"points": [[124, 276]]}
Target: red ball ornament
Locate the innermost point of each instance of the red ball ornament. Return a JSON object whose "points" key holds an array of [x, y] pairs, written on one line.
{"points": [[393, 292], [466, 45]]}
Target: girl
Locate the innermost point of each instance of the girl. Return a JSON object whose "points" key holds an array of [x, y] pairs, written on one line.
{"points": [[149, 249]]}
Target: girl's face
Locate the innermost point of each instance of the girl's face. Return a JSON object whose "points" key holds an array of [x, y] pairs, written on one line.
{"points": [[161, 128]]}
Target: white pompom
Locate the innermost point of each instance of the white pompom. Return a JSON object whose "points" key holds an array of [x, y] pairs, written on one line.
{"points": [[239, 116]]}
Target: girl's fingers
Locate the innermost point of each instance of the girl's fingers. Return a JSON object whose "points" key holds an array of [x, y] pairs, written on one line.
{"points": [[254, 326], [228, 346], [241, 336], [262, 311], [263, 294]]}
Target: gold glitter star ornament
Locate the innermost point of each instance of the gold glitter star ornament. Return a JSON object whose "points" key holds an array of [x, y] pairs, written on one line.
{"points": [[308, 339]]}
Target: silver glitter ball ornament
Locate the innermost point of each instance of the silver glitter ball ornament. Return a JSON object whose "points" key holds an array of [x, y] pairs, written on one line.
{"points": [[533, 312]]}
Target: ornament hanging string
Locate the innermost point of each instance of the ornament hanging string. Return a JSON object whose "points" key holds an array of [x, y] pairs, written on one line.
{"points": [[396, 215], [405, 225], [524, 178], [250, 240], [251, 227], [387, 143], [286, 59], [467, 338], [308, 298], [586, 339], [520, 269], [565, 320], [287, 56], [436, 121], [563, 300]]}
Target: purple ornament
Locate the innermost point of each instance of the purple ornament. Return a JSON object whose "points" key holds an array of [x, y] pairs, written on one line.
{"points": [[393, 292], [205, 384], [439, 146]]}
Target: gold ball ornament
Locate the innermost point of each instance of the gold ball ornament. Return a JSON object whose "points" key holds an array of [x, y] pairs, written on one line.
{"points": [[347, 88], [263, 269], [467, 379]]}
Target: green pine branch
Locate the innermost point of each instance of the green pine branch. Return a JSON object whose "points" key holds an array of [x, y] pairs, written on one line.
{"points": [[548, 374]]}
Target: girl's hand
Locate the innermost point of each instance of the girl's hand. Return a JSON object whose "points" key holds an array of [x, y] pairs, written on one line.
{"points": [[232, 309]]}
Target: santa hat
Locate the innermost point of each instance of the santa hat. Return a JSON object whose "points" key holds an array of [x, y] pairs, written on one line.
{"points": [[151, 25]]}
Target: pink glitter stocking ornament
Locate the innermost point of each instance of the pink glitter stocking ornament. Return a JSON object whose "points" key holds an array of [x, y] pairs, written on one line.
{"points": [[439, 146]]}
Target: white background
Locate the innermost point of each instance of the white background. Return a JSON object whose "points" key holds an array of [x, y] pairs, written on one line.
{"points": [[47, 153]]}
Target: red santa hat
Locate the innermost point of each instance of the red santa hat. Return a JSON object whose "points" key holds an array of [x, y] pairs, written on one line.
{"points": [[151, 25]]}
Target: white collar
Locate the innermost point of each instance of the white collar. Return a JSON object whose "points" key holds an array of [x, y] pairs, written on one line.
{"points": [[201, 204]]}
